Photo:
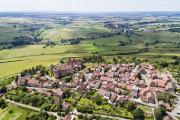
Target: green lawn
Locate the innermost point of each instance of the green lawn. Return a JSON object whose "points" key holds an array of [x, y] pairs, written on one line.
{"points": [[17, 114]]}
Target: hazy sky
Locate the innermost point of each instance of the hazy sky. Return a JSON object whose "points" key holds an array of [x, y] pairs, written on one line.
{"points": [[89, 5]]}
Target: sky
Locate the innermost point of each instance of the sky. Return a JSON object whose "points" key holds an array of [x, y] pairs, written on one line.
{"points": [[89, 5]]}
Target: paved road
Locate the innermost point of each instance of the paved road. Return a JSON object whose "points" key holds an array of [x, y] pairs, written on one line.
{"points": [[32, 108], [146, 80], [143, 103]]}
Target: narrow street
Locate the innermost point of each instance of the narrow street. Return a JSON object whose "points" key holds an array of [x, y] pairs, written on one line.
{"points": [[143, 103]]}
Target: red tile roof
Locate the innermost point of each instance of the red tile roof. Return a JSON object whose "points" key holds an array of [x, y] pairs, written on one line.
{"points": [[32, 82], [104, 78], [58, 92], [68, 117], [160, 83]]}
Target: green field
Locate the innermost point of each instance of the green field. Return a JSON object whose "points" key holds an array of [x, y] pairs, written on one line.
{"points": [[16, 59], [78, 29], [47, 30]]}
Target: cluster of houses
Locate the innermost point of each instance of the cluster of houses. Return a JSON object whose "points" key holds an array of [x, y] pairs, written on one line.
{"points": [[50, 86], [39, 82], [115, 81]]}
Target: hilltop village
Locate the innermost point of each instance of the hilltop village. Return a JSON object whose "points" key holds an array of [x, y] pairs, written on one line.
{"points": [[117, 83]]}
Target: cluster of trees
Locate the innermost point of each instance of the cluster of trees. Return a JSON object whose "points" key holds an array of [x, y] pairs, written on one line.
{"points": [[24, 40], [32, 71], [137, 112], [168, 98], [67, 78], [51, 107], [2, 103], [94, 59], [176, 60], [71, 41], [3, 89], [45, 103], [5, 46], [40, 116], [121, 59], [174, 30], [84, 109], [149, 22], [98, 99], [164, 64], [21, 95], [101, 35], [62, 113], [93, 117], [50, 43]]}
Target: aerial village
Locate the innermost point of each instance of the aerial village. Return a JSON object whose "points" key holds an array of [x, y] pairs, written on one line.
{"points": [[117, 83]]}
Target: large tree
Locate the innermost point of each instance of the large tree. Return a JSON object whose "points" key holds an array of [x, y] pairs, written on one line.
{"points": [[160, 112], [2, 103], [138, 114], [131, 106]]}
